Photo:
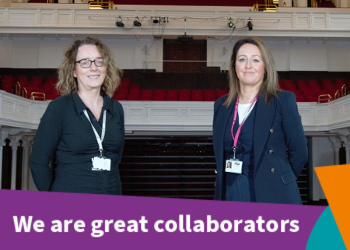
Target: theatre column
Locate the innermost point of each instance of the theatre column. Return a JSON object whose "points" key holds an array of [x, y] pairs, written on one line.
{"points": [[27, 143], [300, 3], [346, 143], [14, 146], [336, 144], [3, 136]]}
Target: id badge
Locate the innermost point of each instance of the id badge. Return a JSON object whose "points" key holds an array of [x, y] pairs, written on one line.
{"points": [[233, 166], [99, 164]]}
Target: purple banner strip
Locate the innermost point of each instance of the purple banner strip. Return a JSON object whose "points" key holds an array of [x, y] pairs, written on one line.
{"points": [[80, 221]]}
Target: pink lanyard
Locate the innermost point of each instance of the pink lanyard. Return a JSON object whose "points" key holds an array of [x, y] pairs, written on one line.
{"points": [[235, 138]]}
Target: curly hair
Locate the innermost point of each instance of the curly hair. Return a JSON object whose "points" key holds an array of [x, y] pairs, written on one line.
{"points": [[68, 84], [269, 85]]}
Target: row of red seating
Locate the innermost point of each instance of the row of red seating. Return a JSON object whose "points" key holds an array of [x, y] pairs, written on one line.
{"points": [[168, 95], [314, 84], [305, 90], [134, 92], [23, 86], [311, 90], [25, 81]]}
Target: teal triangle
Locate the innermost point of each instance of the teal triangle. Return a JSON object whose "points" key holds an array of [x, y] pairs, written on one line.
{"points": [[325, 234]]}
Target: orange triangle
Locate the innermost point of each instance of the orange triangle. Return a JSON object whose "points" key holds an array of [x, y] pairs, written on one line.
{"points": [[336, 186]]}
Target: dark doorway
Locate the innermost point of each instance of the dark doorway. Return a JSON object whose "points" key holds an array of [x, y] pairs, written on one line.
{"points": [[342, 155], [195, 52]]}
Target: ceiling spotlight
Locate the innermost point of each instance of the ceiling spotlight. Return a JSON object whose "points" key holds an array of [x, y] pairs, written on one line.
{"points": [[137, 22], [119, 23], [230, 24], [250, 24], [155, 20]]}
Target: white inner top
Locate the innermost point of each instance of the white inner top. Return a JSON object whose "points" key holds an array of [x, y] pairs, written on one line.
{"points": [[243, 111]]}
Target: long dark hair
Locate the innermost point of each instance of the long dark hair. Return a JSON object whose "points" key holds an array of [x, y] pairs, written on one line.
{"points": [[270, 83]]}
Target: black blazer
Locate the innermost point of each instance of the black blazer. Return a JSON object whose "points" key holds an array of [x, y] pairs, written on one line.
{"points": [[279, 143]]}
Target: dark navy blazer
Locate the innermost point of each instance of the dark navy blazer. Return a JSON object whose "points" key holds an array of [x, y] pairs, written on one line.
{"points": [[279, 143]]}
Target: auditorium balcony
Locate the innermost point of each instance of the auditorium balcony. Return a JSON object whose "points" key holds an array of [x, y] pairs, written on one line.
{"points": [[175, 61], [168, 146]]}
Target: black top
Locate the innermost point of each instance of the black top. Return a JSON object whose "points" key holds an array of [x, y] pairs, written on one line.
{"points": [[244, 150], [65, 130]]}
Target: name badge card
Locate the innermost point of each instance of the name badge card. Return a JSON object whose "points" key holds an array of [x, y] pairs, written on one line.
{"points": [[233, 166], [99, 163]]}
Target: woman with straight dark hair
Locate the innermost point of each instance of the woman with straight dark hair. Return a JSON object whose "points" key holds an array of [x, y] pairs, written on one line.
{"points": [[257, 128], [84, 128]]}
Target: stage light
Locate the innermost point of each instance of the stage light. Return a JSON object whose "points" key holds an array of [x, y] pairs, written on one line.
{"points": [[137, 22], [250, 24], [119, 23], [230, 24], [155, 20]]}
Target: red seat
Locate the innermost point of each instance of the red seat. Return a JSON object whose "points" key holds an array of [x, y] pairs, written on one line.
{"points": [[160, 92], [310, 98], [304, 88], [147, 95], [120, 97], [35, 84], [135, 91], [8, 78], [52, 95], [323, 92], [289, 85], [220, 93], [281, 83], [126, 81], [159, 95], [23, 81], [288, 82], [340, 84], [331, 89], [313, 84], [52, 80], [121, 91], [300, 97], [133, 97], [209, 95], [184, 95], [7, 86], [297, 92], [172, 95], [302, 84], [49, 86], [135, 86], [125, 84], [326, 84], [37, 79], [197, 95], [121, 94]]}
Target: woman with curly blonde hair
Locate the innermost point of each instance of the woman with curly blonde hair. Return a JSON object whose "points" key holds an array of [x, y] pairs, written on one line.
{"points": [[84, 128]]}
